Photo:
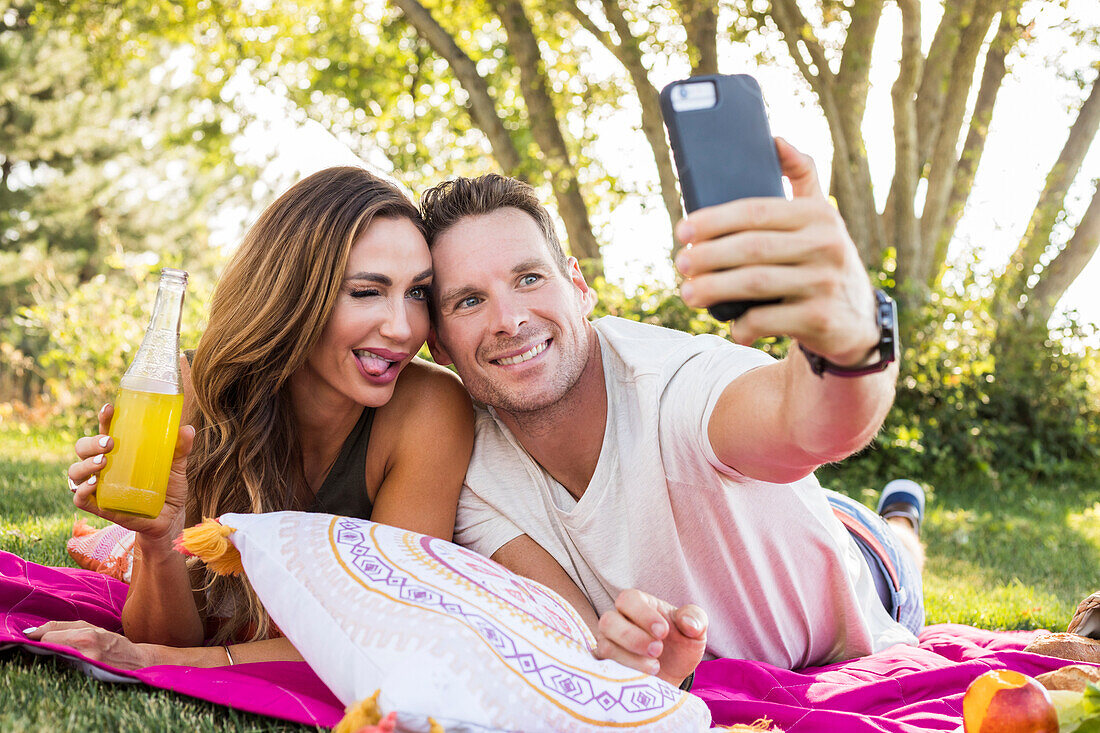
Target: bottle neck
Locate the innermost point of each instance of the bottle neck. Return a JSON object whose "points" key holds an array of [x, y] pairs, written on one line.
{"points": [[168, 310], [155, 367]]}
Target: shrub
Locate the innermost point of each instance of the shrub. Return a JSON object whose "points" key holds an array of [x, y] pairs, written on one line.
{"points": [[1032, 407], [85, 335]]}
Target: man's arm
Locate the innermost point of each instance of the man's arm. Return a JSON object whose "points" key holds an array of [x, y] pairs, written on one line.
{"points": [[525, 556], [779, 422], [641, 632]]}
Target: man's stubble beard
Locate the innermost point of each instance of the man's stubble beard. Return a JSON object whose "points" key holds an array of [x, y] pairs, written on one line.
{"points": [[539, 413]]}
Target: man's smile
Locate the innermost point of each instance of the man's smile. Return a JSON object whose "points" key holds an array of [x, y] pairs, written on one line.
{"points": [[523, 356]]}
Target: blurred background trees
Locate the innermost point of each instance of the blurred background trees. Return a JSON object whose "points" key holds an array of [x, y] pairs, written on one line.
{"points": [[121, 153]]}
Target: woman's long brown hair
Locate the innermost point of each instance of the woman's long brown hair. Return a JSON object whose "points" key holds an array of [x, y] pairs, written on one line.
{"points": [[267, 314]]}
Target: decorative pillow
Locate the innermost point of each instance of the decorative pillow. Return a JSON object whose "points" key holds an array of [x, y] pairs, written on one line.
{"points": [[109, 550], [442, 633]]}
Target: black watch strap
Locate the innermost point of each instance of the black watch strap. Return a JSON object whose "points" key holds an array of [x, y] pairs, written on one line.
{"points": [[886, 317]]}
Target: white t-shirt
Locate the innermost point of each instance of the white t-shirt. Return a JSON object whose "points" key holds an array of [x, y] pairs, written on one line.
{"points": [[779, 576]]}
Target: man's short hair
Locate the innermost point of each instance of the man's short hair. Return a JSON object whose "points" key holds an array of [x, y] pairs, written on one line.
{"points": [[445, 205]]}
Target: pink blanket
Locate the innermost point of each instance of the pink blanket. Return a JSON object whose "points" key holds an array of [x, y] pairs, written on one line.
{"points": [[900, 689]]}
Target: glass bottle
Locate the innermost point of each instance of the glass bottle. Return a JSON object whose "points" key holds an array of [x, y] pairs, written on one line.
{"points": [[148, 410]]}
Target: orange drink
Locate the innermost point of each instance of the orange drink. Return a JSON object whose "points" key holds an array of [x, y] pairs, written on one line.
{"points": [[135, 475], [147, 416]]}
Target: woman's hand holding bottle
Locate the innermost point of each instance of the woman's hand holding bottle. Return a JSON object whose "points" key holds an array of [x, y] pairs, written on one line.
{"points": [[84, 475]]}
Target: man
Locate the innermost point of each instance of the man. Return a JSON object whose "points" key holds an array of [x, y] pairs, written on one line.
{"points": [[639, 471]]}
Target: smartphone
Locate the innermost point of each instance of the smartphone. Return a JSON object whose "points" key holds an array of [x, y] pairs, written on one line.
{"points": [[723, 148]]}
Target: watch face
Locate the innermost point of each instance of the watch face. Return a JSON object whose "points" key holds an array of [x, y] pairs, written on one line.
{"points": [[889, 347]]}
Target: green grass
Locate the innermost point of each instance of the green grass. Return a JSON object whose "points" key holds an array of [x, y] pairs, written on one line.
{"points": [[1008, 552], [1011, 553], [42, 693]]}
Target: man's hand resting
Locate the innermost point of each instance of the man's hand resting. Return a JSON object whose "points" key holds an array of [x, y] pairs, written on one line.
{"points": [[649, 635]]}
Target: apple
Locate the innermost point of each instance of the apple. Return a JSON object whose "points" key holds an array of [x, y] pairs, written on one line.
{"points": [[1002, 701]]}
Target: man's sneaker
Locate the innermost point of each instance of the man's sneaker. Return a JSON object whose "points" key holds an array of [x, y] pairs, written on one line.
{"points": [[903, 498]]}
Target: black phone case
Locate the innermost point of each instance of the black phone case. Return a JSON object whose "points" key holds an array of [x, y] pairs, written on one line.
{"points": [[723, 153]]}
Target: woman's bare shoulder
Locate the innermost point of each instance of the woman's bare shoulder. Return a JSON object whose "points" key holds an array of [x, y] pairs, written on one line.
{"points": [[428, 393]]}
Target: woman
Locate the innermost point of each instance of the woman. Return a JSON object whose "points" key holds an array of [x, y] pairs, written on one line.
{"points": [[297, 405]]}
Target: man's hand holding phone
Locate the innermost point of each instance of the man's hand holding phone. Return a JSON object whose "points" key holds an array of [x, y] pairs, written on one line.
{"points": [[798, 251]]}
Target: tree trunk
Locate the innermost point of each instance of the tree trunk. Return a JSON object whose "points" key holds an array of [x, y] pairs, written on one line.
{"points": [[935, 72], [629, 54], [700, 20], [1008, 33], [481, 106], [853, 76], [906, 233], [1067, 265], [543, 119], [851, 87], [944, 160], [1014, 282]]}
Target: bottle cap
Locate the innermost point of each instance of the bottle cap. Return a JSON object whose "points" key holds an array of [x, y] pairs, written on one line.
{"points": [[174, 274]]}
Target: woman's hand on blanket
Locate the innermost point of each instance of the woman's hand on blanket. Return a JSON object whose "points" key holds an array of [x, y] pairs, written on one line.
{"points": [[84, 474], [95, 643], [651, 636]]}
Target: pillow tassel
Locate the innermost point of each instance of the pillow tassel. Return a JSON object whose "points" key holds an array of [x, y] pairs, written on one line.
{"points": [[209, 541], [366, 717], [363, 714]]}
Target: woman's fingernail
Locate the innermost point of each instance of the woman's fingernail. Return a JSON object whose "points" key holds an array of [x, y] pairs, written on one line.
{"points": [[686, 291], [653, 666], [682, 262], [654, 649], [29, 631], [692, 624], [103, 441], [659, 629], [98, 459], [103, 408], [92, 480]]}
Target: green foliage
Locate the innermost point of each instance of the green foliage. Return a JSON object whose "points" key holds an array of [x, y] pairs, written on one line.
{"points": [[1032, 408], [661, 305], [1028, 405], [87, 334]]}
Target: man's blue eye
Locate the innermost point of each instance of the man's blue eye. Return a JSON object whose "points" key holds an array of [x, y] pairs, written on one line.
{"points": [[529, 279], [468, 302]]}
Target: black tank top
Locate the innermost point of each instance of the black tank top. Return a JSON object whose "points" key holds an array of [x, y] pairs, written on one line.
{"points": [[344, 490]]}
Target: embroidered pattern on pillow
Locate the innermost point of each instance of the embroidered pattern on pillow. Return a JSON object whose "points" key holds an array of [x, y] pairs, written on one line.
{"points": [[442, 632]]}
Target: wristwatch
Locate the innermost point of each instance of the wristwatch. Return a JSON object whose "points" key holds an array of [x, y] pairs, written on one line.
{"points": [[886, 318]]}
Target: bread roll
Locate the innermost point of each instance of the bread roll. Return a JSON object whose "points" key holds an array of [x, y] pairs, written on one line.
{"points": [[1073, 677], [1066, 646]]}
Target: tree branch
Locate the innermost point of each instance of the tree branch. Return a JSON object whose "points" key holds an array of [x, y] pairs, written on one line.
{"points": [[796, 29], [1009, 32], [852, 78], [1067, 264], [482, 107], [906, 232], [543, 119], [589, 25], [936, 73], [943, 161], [1013, 283], [700, 19], [629, 53]]}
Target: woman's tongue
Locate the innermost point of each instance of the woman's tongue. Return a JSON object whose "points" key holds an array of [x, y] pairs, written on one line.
{"points": [[373, 365]]}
